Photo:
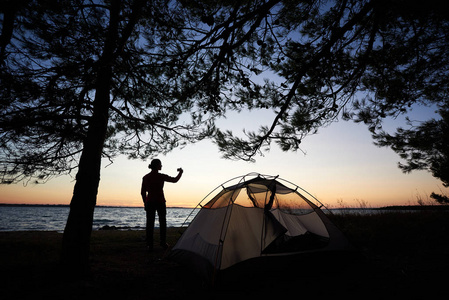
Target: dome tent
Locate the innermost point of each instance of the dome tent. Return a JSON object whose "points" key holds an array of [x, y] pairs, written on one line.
{"points": [[260, 216]]}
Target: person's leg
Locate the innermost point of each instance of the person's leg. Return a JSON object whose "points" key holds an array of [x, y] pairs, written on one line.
{"points": [[162, 214], [151, 215]]}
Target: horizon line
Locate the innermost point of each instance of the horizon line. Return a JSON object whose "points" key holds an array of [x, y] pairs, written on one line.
{"points": [[55, 204], [193, 207]]}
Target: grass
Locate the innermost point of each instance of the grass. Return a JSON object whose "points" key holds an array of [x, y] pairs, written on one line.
{"points": [[400, 256], [398, 232], [407, 253]]}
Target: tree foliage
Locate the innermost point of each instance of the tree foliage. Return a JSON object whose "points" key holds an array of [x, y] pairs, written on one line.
{"points": [[362, 60], [359, 60], [423, 147], [50, 77]]}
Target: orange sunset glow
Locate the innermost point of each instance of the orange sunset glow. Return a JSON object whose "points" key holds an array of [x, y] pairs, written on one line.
{"points": [[340, 166]]}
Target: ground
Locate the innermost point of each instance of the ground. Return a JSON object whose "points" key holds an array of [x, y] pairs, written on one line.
{"points": [[398, 256]]}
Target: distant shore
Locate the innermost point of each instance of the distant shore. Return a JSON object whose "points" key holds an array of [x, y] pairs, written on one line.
{"points": [[392, 207], [414, 207]]}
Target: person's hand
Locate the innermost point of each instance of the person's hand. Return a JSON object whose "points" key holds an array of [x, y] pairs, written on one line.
{"points": [[180, 170]]}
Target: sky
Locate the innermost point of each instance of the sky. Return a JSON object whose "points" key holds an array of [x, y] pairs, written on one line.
{"points": [[341, 167]]}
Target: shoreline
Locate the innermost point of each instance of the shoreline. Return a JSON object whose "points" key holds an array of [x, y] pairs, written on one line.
{"points": [[389, 207], [436, 207], [68, 205]]}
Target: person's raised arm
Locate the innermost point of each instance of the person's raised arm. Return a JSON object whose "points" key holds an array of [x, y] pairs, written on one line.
{"points": [[180, 171]]}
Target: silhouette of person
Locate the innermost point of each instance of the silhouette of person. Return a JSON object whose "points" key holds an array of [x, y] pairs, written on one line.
{"points": [[152, 192]]}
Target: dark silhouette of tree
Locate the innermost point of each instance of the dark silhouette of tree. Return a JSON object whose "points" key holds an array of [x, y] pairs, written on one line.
{"points": [[82, 80], [423, 147], [363, 60], [86, 80]]}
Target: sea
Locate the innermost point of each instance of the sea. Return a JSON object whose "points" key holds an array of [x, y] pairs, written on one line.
{"points": [[54, 217]]}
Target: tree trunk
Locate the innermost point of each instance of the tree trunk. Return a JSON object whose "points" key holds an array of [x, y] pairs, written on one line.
{"points": [[76, 238]]}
